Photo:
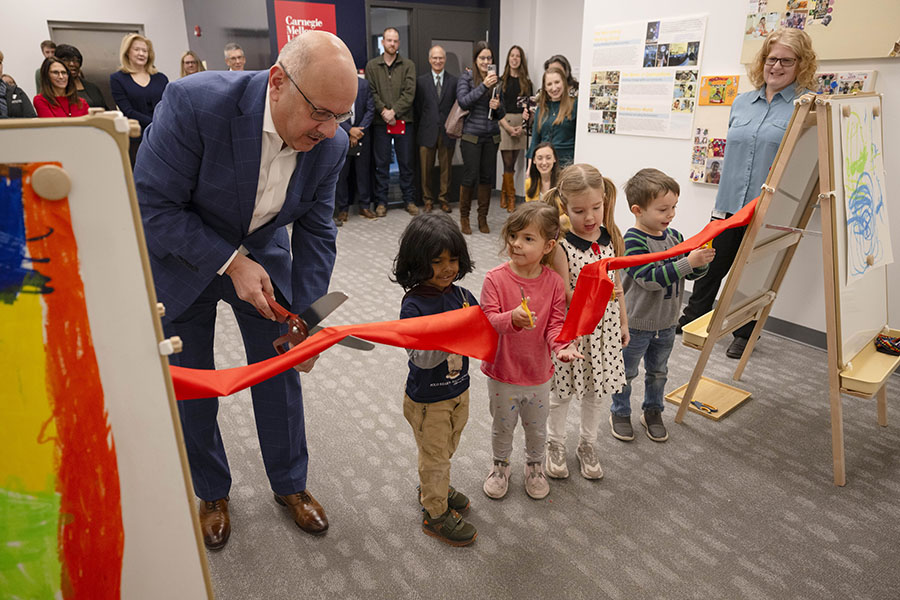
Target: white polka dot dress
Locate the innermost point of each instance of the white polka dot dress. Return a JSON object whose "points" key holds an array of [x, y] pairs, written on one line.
{"points": [[602, 371]]}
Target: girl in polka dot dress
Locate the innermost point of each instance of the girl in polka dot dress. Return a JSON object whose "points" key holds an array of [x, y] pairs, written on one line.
{"points": [[588, 199]]}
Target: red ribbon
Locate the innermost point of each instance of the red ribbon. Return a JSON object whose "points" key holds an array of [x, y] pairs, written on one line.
{"points": [[464, 331], [594, 288]]}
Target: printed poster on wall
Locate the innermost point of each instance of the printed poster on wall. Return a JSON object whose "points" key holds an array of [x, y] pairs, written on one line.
{"points": [[643, 78], [294, 18]]}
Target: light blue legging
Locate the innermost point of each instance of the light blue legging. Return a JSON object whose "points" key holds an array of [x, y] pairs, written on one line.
{"points": [[510, 402]]}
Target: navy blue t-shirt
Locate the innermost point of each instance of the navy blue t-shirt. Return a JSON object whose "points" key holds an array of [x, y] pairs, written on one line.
{"points": [[438, 383]]}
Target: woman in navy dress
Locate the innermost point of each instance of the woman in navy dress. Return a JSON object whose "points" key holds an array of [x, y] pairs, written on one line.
{"points": [[137, 87]]}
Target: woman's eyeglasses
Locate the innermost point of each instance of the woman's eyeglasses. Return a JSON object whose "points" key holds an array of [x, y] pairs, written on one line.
{"points": [[787, 63]]}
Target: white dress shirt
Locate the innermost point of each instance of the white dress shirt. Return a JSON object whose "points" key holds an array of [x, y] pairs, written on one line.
{"points": [[276, 165]]}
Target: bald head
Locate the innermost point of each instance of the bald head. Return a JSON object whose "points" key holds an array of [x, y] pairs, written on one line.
{"points": [[324, 79], [318, 49]]}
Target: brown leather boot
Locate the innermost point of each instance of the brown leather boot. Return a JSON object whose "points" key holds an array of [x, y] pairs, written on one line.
{"points": [[215, 524], [465, 203], [484, 203], [503, 196], [509, 190]]}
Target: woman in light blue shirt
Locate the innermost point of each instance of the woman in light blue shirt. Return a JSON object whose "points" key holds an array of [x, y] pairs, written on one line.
{"points": [[783, 69]]}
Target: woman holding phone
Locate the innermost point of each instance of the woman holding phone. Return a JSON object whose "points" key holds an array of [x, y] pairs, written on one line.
{"points": [[478, 92]]}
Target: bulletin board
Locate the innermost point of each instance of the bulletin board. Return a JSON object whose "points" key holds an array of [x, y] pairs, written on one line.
{"points": [[94, 483], [839, 29]]}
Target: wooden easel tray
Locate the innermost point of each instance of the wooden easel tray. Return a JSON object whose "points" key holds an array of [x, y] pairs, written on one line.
{"points": [[714, 393]]}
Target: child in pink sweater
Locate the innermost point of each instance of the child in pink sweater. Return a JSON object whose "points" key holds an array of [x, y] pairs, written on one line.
{"points": [[520, 374]]}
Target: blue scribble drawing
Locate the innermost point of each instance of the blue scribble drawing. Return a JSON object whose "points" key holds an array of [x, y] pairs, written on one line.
{"points": [[14, 277], [868, 234]]}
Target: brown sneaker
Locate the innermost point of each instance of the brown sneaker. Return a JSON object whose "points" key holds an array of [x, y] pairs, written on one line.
{"points": [[412, 209], [380, 210], [215, 524], [308, 514], [449, 528]]}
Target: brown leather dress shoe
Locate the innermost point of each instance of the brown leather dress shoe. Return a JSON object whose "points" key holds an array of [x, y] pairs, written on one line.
{"points": [[307, 512], [365, 212], [215, 524]]}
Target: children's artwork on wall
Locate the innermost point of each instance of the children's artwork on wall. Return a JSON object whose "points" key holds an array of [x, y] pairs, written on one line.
{"points": [[719, 90], [707, 155], [59, 481], [839, 29], [868, 229]]}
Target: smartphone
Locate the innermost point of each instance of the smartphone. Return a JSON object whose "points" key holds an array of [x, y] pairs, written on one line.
{"points": [[492, 69]]}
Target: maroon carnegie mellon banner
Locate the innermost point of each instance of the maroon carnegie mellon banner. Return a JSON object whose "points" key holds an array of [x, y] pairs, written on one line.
{"points": [[294, 18]]}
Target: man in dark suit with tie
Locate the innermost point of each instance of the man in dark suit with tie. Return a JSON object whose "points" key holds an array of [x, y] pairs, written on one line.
{"points": [[229, 161], [359, 157], [435, 95]]}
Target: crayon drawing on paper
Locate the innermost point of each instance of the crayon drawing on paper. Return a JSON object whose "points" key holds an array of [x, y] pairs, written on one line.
{"points": [[868, 232], [60, 507]]}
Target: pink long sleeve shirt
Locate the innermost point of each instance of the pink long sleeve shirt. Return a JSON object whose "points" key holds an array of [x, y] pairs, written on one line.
{"points": [[523, 355]]}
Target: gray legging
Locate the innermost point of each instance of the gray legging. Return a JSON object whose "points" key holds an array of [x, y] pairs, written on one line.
{"points": [[508, 403]]}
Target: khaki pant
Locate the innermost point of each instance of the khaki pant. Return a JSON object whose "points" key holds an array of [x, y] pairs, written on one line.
{"points": [[437, 427], [426, 158]]}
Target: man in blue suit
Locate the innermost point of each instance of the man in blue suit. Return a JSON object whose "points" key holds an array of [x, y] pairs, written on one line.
{"points": [[230, 159], [359, 157], [435, 95]]}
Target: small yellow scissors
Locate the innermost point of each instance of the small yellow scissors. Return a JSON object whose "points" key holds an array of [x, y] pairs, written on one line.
{"points": [[525, 306]]}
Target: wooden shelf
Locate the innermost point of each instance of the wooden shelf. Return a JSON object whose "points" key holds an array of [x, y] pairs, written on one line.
{"points": [[694, 334]]}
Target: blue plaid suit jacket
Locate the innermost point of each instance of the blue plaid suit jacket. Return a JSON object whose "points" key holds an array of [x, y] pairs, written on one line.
{"points": [[196, 177]]}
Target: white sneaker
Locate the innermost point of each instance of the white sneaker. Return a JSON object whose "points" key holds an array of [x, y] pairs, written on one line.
{"points": [[587, 459], [536, 485], [497, 482], [555, 461]]}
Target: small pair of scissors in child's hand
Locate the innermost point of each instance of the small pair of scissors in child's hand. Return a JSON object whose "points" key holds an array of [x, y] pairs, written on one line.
{"points": [[525, 307]]}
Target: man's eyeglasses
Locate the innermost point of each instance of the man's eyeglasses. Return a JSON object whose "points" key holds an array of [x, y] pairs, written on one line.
{"points": [[317, 114], [787, 63]]}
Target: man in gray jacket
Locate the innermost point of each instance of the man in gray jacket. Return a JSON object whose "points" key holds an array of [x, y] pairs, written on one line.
{"points": [[392, 81]]}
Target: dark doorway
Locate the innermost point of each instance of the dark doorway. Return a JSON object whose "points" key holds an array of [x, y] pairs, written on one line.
{"points": [[422, 25]]}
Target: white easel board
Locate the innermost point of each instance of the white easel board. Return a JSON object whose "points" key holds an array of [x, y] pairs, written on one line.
{"points": [[162, 554]]}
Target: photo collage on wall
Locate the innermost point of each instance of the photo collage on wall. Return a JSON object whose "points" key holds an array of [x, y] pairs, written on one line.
{"points": [[706, 157], [849, 82], [644, 77], [765, 16], [604, 98]]}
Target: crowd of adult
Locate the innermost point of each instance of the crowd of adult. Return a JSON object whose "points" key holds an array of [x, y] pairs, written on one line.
{"points": [[406, 119]]}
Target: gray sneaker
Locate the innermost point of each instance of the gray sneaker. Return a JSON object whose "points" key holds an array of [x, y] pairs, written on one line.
{"points": [[555, 461], [587, 459], [621, 428], [656, 430], [536, 485], [497, 482]]}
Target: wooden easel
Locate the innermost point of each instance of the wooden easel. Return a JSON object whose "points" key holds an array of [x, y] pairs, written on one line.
{"points": [[865, 376]]}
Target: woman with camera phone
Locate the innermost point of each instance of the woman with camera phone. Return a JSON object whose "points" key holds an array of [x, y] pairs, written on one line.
{"points": [[477, 91]]}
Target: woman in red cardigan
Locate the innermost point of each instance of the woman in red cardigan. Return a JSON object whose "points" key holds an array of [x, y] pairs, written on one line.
{"points": [[59, 96]]}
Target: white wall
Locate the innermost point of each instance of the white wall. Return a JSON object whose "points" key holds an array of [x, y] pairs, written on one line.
{"points": [[25, 26], [618, 156]]}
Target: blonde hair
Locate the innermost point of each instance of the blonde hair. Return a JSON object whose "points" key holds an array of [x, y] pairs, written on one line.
{"points": [[200, 67], [798, 41], [125, 62], [566, 102], [532, 213], [581, 178]]}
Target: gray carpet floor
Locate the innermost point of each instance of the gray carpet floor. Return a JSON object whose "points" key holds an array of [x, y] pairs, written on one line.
{"points": [[741, 508]]}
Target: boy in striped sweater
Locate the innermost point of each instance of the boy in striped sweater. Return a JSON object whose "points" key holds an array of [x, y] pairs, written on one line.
{"points": [[653, 297]]}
